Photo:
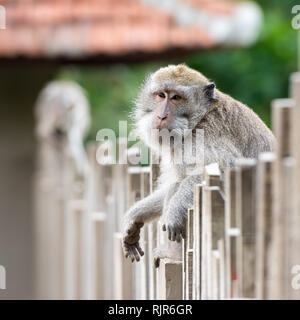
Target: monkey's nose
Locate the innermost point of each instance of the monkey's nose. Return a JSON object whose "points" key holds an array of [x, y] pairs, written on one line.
{"points": [[162, 117]]}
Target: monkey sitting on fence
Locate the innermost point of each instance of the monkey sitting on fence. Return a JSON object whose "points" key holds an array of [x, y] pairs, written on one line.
{"points": [[178, 99], [63, 119]]}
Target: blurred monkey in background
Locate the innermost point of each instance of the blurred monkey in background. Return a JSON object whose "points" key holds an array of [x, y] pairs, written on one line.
{"points": [[63, 119]]}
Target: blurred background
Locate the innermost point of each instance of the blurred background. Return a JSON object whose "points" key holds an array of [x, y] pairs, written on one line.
{"points": [[108, 46]]}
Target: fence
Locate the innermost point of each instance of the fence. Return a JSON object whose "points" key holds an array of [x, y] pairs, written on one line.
{"points": [[242, 233]]}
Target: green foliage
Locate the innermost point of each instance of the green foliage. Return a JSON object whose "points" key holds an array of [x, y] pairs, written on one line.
{"points": [[254, 75], [111, 91], [258, 74]]}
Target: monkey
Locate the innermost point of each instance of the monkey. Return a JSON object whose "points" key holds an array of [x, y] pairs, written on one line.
{"points": [[177, 99], [63, 118]]}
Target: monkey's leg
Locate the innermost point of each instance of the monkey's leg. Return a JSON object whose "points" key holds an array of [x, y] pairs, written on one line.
{"points": [[142, 212], [178, 207]]}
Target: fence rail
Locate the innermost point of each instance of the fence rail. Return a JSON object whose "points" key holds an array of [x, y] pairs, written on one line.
{"points": [[242, 239]]}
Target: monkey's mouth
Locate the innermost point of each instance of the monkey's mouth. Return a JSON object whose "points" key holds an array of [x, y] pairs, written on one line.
{"points": [[162, 128]]}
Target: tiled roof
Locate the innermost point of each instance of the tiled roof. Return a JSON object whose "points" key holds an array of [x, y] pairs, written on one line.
{"points": [[81, 28]]}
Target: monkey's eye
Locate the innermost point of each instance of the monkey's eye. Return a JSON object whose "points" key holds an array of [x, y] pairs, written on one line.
{"points": [[176, 97], [161, 95]]}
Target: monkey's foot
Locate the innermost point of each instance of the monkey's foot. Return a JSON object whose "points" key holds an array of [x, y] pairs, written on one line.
{"points": [[172, 252], [159, 253]]}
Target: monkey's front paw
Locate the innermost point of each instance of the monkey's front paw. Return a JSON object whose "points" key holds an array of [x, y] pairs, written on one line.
{"points": [[130, 241], [176, 230]]}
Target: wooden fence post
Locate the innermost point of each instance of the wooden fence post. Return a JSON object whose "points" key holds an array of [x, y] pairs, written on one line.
{"points": [[294, 216], [74, 249], [54, 188], [139, 180], [198, 198], [134, 195], [264, 200], [284, 204], [99, 198], [145, 261], [189, 255], [96, 263], [184, 267], [246, 221], [152, 231], [217, 235], [119, 184], [213, 228], [123, 275], [224, 274], [170, 285], [125, 284], [61, 167], [232, 233]]}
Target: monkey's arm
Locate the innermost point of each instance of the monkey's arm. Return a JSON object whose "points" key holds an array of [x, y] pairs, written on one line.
{"points": [[178, 207], [142, 212]]}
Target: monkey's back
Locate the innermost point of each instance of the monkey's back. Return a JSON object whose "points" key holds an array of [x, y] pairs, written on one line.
{"points": [[231, 121]]}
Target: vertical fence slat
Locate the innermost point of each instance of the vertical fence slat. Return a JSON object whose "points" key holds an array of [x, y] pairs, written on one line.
{"points": [[184, 268], [189, 254], [73, 249], [99, 198], [212, 186], [246, 214], [96, 223], [198, 195], [222, 269], [284, 200], [215, 275], [134, 195], [238, 283], [264, 222], [205, 259], [217, 234], [170, 284], [145, 262], [231, 234], [152, 231], [123, 275], [294, 217]]}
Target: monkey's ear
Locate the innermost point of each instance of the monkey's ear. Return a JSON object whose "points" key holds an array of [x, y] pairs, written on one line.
{"points": [[209, 91]]}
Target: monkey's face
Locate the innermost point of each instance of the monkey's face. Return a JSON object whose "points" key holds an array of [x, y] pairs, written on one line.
{"points": [[173, 99], [170, 109], [162, 108], [61, 108]]}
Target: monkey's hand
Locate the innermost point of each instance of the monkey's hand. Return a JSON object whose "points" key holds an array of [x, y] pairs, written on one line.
{"points": [[142, 212], [130, 241], [175, 226]]}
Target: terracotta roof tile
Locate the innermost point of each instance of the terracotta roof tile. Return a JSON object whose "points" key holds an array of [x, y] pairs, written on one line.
{"points": [[37, 28]]}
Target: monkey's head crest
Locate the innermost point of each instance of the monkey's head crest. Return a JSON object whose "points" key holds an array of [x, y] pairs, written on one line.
{"points": [[180, 73]]}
